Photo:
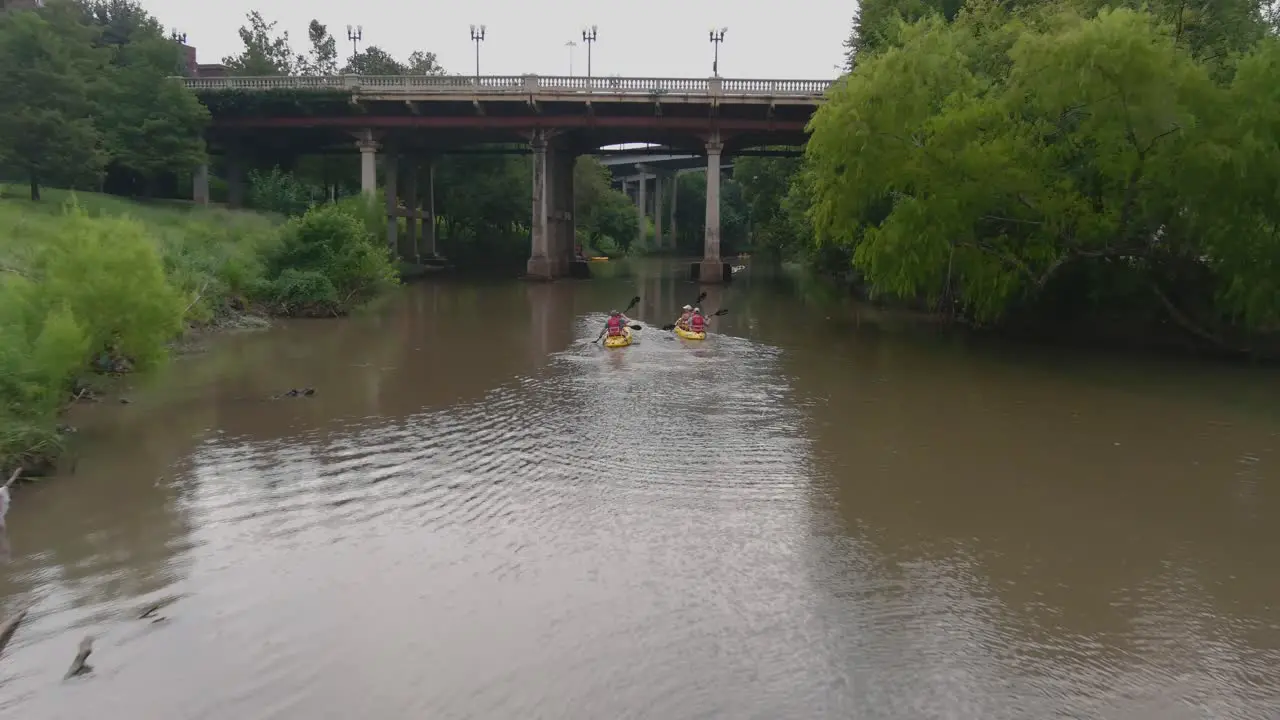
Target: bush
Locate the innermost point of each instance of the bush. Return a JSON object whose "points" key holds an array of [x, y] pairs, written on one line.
{"points": [[328, 243], [280, 192], [77, 291], [97, 282]]}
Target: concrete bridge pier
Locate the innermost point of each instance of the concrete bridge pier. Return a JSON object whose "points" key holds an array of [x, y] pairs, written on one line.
{"points": [[675, 195], [642, 208], [427, 245], [409, 243], [200, 184], [659, 188], [368, 146], [712, 267], [390, 174], [552, 226]]}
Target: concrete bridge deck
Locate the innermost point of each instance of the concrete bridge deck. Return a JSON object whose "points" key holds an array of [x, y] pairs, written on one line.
{"points": [[410, 119]]}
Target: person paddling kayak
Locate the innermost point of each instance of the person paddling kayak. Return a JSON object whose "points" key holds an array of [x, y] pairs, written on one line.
{"points": [[683, 322], [616, 324], [697, 323]]}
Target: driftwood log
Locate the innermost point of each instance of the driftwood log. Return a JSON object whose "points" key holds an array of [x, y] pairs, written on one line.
{"points": [[79, 666]]}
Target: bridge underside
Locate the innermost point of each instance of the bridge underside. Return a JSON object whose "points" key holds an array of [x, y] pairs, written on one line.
{"points": [[409, 133]]}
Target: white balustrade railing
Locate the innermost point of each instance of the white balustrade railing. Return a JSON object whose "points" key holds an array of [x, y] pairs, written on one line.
{"points": [[519, 85]]}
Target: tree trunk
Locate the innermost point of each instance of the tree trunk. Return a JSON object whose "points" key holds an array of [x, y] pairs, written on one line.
{"points": [[35, 188]]}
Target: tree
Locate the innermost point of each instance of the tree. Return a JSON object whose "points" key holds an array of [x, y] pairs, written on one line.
{"points": [[995, 158], [604, 214], [423, 63], [265, 52], [322, 59], [121, 22], [47, 67], [766, 183], [877, 22], [152, 123], [373, 60]]}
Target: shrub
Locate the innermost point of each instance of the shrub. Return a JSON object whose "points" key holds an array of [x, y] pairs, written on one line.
{"points": [[328, 242], [280, 192]]}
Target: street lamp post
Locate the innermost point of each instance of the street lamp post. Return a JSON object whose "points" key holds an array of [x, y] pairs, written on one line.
{"points": [[355, 35], [717, 37], [571, 45], [477, 36], [589, 37]]}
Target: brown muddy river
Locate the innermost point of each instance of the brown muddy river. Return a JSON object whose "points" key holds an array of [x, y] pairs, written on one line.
{"points": [[481, 515]]}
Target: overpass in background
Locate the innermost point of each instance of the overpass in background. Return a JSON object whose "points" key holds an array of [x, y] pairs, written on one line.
{"points": [[410, 119], [648, 175]]}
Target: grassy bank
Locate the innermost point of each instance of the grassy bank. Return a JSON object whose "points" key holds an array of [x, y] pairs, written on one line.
{"points": [[94, 285]]}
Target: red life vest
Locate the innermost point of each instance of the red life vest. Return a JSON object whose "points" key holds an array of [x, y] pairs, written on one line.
{"points": [[697, 323], [614, 325]]}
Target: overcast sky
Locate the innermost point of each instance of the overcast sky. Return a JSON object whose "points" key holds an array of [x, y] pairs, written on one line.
{"points": [[650, 38]]}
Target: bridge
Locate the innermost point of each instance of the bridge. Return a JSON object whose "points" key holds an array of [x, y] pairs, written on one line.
{"points": [[411, 119]]}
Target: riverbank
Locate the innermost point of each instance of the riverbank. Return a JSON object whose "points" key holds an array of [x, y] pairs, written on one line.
{"points": [[95, 286], [1134, 321]]}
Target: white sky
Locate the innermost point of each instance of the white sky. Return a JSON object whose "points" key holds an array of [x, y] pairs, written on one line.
{"points": [[650, 38]]}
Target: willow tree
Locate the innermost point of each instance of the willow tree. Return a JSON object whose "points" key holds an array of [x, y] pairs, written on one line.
{"points": [[978, 159]]}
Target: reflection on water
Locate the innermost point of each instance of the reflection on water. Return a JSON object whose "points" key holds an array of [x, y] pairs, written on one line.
{"points": [[481, 514]]}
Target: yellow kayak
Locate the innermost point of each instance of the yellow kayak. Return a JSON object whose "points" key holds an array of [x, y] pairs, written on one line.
{"points": [[689, 334], [598, 259], [618, 341]]}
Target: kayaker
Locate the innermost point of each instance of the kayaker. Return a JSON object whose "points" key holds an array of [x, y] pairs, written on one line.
{"points": [[683, 322], [616, 324], [697, 323]]}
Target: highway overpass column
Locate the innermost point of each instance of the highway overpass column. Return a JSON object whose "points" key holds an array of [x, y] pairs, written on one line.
{"points": [[200, 185], [712, 269], [642, 202], [658, 189], [540, 264], [390, 169], [675, 195], [368, 163]]}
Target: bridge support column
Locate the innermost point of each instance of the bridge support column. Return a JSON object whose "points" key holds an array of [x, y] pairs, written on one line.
{"points": [[200, 185], [427, 248], [540, 262], [675, 195], [409, 243], [368, 163], [390, 170], [659, 187], [642, 210], [566, 225], [553, 224], [712, 267]]}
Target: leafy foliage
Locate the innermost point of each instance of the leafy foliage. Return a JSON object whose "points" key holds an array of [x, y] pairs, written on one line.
{"points": [[1058, 150], [328, 262], [87, 91], [47, 67], [323, 56], [280, 192], [265, 52]]}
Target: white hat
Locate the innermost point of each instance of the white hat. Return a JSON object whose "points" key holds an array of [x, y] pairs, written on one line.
{"points": [[687, 307]]}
